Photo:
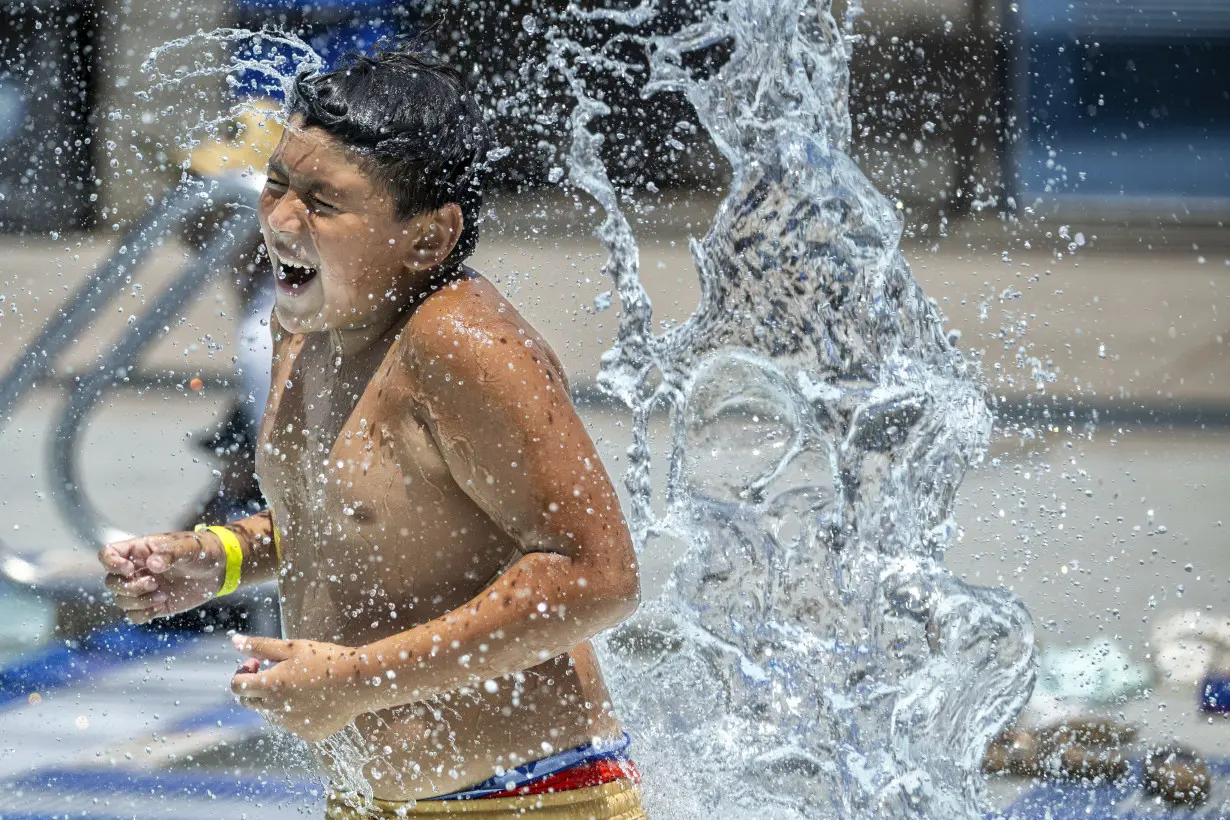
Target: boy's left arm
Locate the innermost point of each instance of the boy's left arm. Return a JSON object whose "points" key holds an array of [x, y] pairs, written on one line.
{"points": [[513, 441]]}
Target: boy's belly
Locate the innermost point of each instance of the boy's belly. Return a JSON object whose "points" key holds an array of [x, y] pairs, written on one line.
{"points": [[459, 741]]}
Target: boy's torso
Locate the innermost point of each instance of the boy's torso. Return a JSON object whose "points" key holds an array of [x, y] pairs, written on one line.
{"points": [[376, 538]]}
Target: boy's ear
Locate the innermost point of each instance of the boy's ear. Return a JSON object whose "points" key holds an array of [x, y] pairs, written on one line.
{"points": [[436, 234]]}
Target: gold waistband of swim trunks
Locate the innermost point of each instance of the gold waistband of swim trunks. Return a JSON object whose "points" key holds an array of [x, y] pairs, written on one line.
{"points": [[617, 800]]}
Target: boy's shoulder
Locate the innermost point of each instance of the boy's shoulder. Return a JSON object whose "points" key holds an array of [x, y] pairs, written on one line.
{"points": [[468, 326], [467, 304]]}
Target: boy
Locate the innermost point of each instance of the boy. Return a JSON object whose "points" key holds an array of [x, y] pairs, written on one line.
{"points": [[444, 536]]}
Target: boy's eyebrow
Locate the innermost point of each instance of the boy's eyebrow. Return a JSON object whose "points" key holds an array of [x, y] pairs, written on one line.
{"points": [[310, 184]]}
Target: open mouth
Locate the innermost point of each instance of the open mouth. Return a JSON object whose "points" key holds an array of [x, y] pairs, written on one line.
{"points": [[293, 277]]}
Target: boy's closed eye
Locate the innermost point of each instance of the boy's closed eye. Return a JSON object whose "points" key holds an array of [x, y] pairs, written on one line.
{"points": [[313, 202], [277, 178], [275, 187], [319, 205]]}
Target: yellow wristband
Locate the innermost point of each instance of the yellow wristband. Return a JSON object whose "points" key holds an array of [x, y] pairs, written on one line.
{"points": [[234, 557]]}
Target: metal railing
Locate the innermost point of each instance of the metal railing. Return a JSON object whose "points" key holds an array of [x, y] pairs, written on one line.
{"points": [[224, 207]]}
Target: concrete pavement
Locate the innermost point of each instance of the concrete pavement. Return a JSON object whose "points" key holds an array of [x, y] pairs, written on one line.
{"points": [[1102, 531]]}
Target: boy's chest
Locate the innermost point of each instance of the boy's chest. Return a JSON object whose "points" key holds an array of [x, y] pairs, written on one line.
{"points": [[340, 448]]}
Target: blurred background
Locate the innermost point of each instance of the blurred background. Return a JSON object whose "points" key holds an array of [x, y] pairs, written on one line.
{"points": [[1062, 168]]}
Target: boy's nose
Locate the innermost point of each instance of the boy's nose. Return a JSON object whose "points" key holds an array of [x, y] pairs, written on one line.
{"points": [[288, 214]]}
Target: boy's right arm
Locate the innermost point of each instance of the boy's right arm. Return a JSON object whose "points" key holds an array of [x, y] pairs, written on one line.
{"points": [[157, 575]]}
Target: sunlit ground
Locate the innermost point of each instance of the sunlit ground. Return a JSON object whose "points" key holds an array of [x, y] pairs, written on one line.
{"points": [[1103, 529]]}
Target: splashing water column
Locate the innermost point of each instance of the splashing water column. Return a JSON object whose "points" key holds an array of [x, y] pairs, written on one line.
{"points": [[811, 656]]}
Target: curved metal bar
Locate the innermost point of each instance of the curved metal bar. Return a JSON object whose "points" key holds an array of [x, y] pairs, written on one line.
{"points": [[40, 355], [85, 520], [173, 216]]}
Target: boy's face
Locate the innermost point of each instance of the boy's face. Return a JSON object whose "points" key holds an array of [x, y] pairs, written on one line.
{"points": [[340, 256]]}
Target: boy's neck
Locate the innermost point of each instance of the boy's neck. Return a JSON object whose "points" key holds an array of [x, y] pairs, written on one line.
{"points": [[347, 342], [350, 341]]}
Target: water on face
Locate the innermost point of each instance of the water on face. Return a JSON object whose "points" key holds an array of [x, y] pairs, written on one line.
{"points": [[811, 656]]}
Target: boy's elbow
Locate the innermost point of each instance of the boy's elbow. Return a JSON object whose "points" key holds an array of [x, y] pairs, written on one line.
{"points": [[609, 605], [630, 605], [622, 601]]}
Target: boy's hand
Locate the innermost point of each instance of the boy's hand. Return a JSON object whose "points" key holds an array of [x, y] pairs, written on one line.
{"points": [[311, 690], [157, 575]]}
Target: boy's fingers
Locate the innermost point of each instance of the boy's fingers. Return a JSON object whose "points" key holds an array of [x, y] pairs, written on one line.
{"points": [[152, 600], [163, 553], [249, 685], [130, 586], [114, 557], [267, 649]]}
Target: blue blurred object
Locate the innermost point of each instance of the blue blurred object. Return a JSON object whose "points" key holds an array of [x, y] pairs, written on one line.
{"points": [[74, 663], [1121, 800], [1120, 99], [130, 760], [332, 29], [1215, 694]]}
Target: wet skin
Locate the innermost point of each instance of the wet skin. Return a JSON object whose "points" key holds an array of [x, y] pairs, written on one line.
{"points": [[449, 539]]}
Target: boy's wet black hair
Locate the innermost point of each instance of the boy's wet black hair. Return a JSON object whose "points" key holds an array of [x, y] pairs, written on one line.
{"points": [[415, 126]]}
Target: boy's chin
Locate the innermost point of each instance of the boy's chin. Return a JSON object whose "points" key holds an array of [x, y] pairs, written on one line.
{"points": [[296, 320], [301, 312], [293, 323]]}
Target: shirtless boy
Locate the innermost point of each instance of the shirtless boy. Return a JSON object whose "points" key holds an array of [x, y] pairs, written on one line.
{"points": [[444, 537]]}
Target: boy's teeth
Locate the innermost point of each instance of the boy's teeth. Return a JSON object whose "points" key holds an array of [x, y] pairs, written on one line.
{"points": [[295, 275]]}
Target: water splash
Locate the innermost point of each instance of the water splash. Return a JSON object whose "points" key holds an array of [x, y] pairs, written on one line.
{"points": [[252, 64], [348, 757], [811, 656]]}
